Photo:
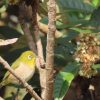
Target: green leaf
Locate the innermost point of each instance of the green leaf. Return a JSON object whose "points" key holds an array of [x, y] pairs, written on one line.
{"points": [[75, 5], [96, 66], [44, 20], [64, 79], [87, 30], [8, 32], [96, 3], [64, 49], [81, 30], [95, 16]]}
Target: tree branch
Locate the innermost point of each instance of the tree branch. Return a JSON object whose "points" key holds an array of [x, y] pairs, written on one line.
{"points": [[44, 28], [35, 5], [23, 82], [40, 60], [8, 41], [27, 17], [50, 49], [24, 18]]}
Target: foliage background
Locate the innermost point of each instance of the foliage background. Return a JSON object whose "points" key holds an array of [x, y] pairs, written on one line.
{"points": [[74, 17]]}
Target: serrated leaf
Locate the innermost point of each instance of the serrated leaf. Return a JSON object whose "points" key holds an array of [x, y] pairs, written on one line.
{"points": [[64, 79]]}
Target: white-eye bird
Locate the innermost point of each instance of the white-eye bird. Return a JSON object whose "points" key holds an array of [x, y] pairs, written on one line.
{"points": [[24, 67]]}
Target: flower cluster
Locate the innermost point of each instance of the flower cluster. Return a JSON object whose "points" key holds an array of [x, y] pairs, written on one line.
{"points": [[87, 53]]}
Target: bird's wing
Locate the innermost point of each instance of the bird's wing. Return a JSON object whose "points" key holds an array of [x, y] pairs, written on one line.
{"points": [[13, 66]]}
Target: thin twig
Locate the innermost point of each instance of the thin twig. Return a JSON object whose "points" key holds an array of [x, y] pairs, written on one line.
{"points": [[8, 41], [24, 18], [40, 61], [22, 81], [50, 49], [35, 26]]}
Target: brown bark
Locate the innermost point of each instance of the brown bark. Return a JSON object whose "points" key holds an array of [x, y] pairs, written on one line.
{"points": [[50, 50], [40, 62], [25, 19], [44, 29]]}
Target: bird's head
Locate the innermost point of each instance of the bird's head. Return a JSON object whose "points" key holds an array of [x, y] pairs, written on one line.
{"points": [[29, 58]]}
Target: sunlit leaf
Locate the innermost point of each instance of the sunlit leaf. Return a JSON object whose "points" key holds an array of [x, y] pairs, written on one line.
{"points": [[63, 80]]}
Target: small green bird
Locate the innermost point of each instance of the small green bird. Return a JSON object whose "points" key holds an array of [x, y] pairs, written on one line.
{"points": [[24, 67]]}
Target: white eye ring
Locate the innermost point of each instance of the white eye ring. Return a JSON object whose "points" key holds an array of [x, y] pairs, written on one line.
{"points": [[29, 57]]}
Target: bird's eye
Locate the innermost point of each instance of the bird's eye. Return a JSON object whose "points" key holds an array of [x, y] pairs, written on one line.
{"points": [[30, 57]]}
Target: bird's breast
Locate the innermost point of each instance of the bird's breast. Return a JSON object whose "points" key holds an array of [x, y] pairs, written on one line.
{"points": [[24, 72]]}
